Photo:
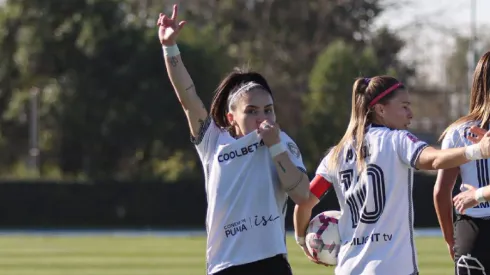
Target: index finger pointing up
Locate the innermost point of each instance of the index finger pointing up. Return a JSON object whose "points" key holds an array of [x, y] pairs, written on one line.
{"points": [[174, 13]]}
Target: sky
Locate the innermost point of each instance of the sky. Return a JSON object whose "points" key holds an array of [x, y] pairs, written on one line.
{"points": [[428, 26]]}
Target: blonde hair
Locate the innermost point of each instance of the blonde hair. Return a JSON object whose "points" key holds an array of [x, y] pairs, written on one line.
{"points": [[479, 98], [364, 91]]}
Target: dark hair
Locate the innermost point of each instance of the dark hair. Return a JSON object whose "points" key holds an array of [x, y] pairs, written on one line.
{"points": [[365, 94], [229, 85], [480, 96]]}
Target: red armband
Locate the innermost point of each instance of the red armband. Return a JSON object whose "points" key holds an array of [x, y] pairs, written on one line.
{"points": [[319, 185]]}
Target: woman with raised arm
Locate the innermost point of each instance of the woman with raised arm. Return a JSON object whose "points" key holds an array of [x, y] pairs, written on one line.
{"points": [[250, 165], [371, 170], [467, 238]]}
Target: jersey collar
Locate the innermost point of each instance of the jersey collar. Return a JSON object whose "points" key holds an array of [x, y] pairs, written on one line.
{"points": [[374, 125]]}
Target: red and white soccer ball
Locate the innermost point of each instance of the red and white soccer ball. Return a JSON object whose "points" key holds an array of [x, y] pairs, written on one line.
{"points": [[323, 237]]}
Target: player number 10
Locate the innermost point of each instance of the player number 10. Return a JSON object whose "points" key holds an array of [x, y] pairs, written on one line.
{"points": [[358, 201]]}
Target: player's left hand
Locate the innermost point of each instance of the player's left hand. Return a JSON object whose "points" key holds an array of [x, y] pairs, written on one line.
{"points": [[269, 132], [310, 257], [465, 199]]}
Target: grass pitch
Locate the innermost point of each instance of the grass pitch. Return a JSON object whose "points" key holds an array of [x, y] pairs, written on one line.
{"points": [[151, 255]]}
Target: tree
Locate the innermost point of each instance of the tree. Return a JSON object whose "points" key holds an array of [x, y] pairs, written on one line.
{"points": [[108, 108], [283, 38], [328, 102], [458, 75]]}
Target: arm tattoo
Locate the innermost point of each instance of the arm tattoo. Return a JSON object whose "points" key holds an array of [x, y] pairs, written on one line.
{"points": [[190, 87], [282, 167], [201, 123], [174, 61], [203, 127], [295, 185]]}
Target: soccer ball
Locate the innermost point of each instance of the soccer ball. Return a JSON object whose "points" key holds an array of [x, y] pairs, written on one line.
{"points": [[323, 238]]}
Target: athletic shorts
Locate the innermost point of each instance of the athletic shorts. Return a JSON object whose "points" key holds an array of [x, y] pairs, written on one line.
{"points": [[471, 246], [277, 265]]}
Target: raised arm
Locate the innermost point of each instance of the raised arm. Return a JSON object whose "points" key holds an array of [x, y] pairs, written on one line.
{"points": [[193, 107]]}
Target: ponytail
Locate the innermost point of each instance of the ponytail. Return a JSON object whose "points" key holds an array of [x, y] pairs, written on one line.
{"points": [[354, 135], [228, 86]]}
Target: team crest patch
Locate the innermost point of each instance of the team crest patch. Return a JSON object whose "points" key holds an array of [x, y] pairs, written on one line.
{"points": [[412, 138], [294, 149]]}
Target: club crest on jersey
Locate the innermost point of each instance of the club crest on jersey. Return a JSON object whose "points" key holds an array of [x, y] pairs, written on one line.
{"points": [[294, 149], [413, 138]]}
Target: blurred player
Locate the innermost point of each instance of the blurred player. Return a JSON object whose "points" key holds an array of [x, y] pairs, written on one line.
{"points": [[250, 166], [371, 170], [467, 239]]}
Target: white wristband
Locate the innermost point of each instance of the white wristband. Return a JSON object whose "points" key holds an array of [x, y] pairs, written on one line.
{"points": [[300, 240], [473, 152], [171, 51], [277, 149], [479, 195]]}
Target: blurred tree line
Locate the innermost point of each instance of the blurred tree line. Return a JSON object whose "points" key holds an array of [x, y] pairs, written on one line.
{"points": [[107, 109]]}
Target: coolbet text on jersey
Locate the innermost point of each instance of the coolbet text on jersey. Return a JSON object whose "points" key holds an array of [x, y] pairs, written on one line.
{"points": [[246, 204]]}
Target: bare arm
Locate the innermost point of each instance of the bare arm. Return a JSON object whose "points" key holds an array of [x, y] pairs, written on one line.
{"points": [[433, 159], [186, 93], [302, 215], [294, 181], [443, 203], [168, 31]]}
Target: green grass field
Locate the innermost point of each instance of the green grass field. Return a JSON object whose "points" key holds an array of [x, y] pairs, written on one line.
{"points": [[149, 255]]}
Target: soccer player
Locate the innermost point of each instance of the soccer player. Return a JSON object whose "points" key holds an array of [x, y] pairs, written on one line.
{"points": [[250, 165], [467, 238], [371, 170]]}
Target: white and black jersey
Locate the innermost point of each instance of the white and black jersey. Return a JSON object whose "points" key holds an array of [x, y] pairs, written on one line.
{"points": [[246, 204], [376, 223], [471, 230], [475, 173]]}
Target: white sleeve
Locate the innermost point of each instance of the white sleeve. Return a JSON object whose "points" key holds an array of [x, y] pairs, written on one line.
{"points": [[323, 171], [454, 138], [206, 139], [408, 147], [293, 151]]}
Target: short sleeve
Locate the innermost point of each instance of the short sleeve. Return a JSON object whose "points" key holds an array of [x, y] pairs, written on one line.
{"points": [[206, 139], [454, 138], [408, 147], [293, 152], [323, 170]]}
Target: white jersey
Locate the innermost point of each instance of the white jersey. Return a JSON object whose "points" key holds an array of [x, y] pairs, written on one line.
{"points": [[246, 204], [475, 173], [376, 223]]}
